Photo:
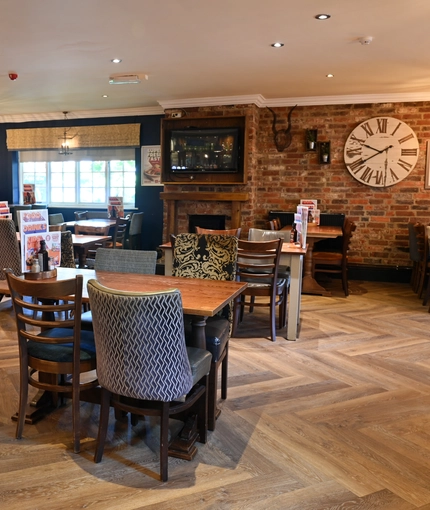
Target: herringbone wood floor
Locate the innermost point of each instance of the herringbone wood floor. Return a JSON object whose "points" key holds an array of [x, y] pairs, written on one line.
{"points": [[336, 420]]}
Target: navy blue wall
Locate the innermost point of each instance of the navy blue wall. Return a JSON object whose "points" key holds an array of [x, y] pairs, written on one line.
{"points": [[147, 197]]}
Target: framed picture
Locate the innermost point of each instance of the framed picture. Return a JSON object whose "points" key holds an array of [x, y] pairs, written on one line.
{"points": [[151, 165], [427, 176]]}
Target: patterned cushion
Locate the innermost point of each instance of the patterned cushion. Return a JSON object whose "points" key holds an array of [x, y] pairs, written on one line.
{"points": [[140, 343], [205, 256], [9, 254], [67, 256]]}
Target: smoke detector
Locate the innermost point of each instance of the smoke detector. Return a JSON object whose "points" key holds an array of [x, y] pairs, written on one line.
{"points": [[124, 79], [365, 41]]}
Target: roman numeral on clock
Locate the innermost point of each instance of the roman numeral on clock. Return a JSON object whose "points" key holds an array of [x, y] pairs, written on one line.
{"points": [[368, 130], [409, 152], [382, 125]]}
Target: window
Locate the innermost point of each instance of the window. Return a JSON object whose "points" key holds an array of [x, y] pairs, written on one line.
{"points": [[86, 178]]}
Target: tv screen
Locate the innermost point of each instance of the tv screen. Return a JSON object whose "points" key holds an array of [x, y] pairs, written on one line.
{"points": [[204, 150]]}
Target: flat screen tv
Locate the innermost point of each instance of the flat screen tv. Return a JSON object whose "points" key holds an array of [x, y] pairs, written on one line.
{"points": [[205, 150]]}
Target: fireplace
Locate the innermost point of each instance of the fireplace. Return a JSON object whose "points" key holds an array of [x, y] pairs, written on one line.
{"points": [[212, 221], [178, 211]]}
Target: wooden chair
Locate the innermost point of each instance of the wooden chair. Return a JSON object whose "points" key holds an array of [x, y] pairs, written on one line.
{"points": [[258, 264], [59, 349], [422, 269], [336, 261], [146, 332], [275, 224], [414, 255], [119, 235], [80, 215], [209, 257], [10, 256], [228, 232]]}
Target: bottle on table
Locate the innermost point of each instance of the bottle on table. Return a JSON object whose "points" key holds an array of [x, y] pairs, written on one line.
{"points": [[293, 234], [42, 256]]}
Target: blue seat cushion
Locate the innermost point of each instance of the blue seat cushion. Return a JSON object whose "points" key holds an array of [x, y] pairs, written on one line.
{"points": [[217, 335], [62, 353]]}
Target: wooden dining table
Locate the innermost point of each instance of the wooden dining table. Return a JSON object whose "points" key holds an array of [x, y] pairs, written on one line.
{"points": [[314, 234], [292, 256], [93, 222], [200, 298], [82, 243]]}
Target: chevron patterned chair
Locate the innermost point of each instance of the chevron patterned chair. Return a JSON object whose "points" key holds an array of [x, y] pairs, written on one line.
{"points": [[143, 364], [211, 257], [10, 256]]}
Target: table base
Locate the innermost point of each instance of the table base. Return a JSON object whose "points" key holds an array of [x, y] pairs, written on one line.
{"points": [[311, 286]]}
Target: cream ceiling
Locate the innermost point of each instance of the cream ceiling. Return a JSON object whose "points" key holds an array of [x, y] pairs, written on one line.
{"points": [[201, 52]]}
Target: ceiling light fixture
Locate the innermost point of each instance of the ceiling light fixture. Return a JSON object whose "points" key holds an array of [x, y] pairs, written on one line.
{"points": [[329, 75], [116, 60], [277, 45], [365, 41], [322, 16], [64, 148]]}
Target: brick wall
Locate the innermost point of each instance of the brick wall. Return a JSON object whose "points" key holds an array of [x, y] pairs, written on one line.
{"points": [[277, 180]]}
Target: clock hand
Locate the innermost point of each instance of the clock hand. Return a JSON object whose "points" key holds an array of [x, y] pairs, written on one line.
{"points": [[378, 152], [369, 147]]}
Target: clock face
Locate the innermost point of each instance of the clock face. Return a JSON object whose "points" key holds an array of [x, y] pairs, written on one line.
{"points": [[381, 151]]}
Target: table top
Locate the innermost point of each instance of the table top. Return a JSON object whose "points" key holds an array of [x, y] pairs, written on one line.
{"points": [[84, 240], [290, 248], [199, 297], [321, 231], [94, 222]]}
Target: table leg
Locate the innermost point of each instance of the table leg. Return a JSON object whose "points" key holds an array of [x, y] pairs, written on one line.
{"points": [[296, 266], [310, 285], [81, 252], [198, 333]]}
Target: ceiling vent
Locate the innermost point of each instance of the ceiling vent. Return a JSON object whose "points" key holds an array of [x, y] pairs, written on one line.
{"points": [[124, 79]]}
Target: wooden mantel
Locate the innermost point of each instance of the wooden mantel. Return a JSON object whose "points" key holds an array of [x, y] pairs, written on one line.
{"points": [[173, 197]]}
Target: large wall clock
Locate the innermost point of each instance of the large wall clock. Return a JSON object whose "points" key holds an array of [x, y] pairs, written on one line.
{"points": [[381, 151]]}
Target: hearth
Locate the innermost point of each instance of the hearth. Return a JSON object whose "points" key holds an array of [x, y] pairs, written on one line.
{"points": [[213, 221]]}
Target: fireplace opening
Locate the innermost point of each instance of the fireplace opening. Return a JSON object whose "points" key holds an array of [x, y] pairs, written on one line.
{"points": [[212, 221]]}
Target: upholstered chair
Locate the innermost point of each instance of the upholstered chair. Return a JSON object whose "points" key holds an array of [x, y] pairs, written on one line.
{"points": [[134, 240], [143, 364], [121, 261], [211, 257], [10, 256], [55, 219], [67, 255]]}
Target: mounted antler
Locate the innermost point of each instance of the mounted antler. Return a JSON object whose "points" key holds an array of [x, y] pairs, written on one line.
{"points": [[282, 137]]}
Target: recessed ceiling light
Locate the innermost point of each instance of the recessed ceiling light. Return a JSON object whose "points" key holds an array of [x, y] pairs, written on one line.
{"points": [[322, 16], [105, 95], [330, 75], [277, 45], [116, 60]]}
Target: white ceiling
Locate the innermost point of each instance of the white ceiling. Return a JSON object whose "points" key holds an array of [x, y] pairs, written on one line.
{"points": [[201, 52]]}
